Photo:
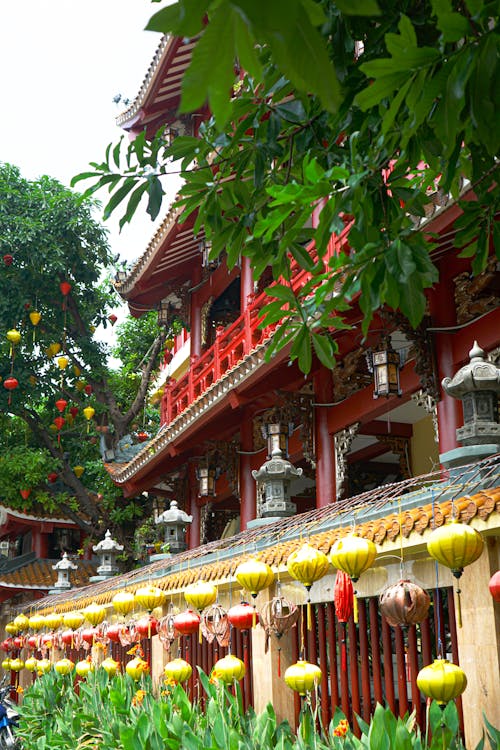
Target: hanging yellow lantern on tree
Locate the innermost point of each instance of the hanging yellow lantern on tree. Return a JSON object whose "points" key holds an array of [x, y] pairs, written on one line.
{"points": [[442, 681], [14, 337], [307, 565], [88, 413], [62, 362], [53, 349], [78, 471], [303, 676], [35, 317], [455, 546], [353, 554]]}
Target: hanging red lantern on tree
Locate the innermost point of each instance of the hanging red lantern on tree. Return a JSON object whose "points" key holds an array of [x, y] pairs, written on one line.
{"points": [[112, 318], [61, 404], [25, 493], [59, 421], [52, 477], [88, 389], [8, 259], [494, 586], [73, 410], [65, 288], [11, 383]]}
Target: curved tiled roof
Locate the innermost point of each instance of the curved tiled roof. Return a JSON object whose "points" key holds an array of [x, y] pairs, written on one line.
{"points": [[39, 574]]}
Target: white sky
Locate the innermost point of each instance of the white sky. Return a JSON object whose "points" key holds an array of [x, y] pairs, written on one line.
{"points": [[61, 63]]}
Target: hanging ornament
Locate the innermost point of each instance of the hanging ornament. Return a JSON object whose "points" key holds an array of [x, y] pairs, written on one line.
{"points": [[228, 669], [14, 337], [94, 613], [178, 671], [73, 410], [147, 626], [88, 389], [63, 666], [116, 631], [11, 629], [442, 681], [214, 624], [25, 493], [110, 666], [88, 413], [53, 620], [8, 259], [79, 385], [494, 586], [44, 666], [16, 665], [6, 664], [52, 477], [254, 575], [67, 637], [303, 677], [353, 555], [404, 603], [455, 546], [31, 664], [307, 565], [78, 471], [187, 622], [136, 668], [65, 288], [35, 317], [37, 622], [241, 616], [10, 383], [62, 362], [21, 622], [53, 349], [343, 600], [166, 628], [59, 422], [82, 668], [277, 617], [200, 595], [112, 318], [61, 404], [150, 597], [73, 620], [123, 602]]}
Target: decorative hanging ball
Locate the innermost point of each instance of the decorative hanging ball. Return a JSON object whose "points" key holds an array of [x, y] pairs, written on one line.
{"points": [[110, 666], [254, 576], [61, 404], [25, 493], [65, 288], [150, 597], [11, 383], [79, 385], [11, 628], [73, 620], [200, 594], [442, 681], [187, 622], [37, 622], [494, 586], [6, 645], [78, 471], [44, 666], [73, 410], [136, 668], [88, 412], [14, 336], [228, 669], [6, 664], [64, 666], [16, 664], [303, 677], [18, 642], [35, 317], [53, 620], [52, 477], [62, 362], [241, 616], [112, 318], [147, 627], [82, 668], [59, 422], [76, 370], [404, 603], [33, 641], [115, 631], [22, 622], [123, 602], [88, 389], [94, 613], [47, 639], [31, 664], [89, 635], [8, 259], [178, 670]]}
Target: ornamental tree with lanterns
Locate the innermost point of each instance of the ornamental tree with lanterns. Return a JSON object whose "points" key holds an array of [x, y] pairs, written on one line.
{"points": [[57, 393]]}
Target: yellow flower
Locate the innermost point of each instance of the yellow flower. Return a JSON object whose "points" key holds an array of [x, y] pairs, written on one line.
{"points": [[341, 729], [138, 697], [19, 690]]}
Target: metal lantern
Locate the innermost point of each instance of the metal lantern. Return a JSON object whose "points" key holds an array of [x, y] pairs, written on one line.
{"points": [[353, 555], [303, 676], [307, 565], [214, 624], [455, 546], [404, 603], [494, 586], [63, 569], [108, 550], [385, 364], [178, 670], [228, 669], [207, 476], [276, 435], [123, 602], [200, 594], [174, 520], [163, 313], [442, 681], [150, 597], [94, 613], [277, 617]]}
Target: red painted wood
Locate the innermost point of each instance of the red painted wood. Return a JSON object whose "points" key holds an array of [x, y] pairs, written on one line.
{"points": [[345, 698], [323, 662], [387, 666], [295, 657], [364, 660], [416, 695], [248, 509], [332, 651], [401, 670], [375, 648], [425, 633], [325, 455], [353, 668]]}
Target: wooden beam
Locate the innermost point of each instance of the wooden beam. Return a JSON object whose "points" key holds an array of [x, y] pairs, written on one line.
{"points": [[379, 427]]}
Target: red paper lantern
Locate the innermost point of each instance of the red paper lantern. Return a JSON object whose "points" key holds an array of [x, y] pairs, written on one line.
{"points": [[187, 622], [65, 288], [61, 404], [10, 383], [88, 635], [88, 389], [241, 616], [147, 626], [67, 637], [6, 645], [25, 493], [112, 319], [494, 586], [59, 421], [73, 411], [33, 641], [114, 632], [52, 477], [8, 259], [142, 437]]}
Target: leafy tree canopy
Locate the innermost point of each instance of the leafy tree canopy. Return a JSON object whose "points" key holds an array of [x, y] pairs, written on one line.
{"points": [[363, 107], [54, 293]]}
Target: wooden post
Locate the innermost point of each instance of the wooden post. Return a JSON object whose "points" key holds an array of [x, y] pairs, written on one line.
{"points": [[248, 492], [325, 455]]}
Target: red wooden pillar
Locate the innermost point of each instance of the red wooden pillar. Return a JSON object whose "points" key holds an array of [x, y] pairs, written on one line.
{"points": [[40, 544], [325, 457], [194, 510], [248, 493], [443, 314], [246, 284], [195, 315]]}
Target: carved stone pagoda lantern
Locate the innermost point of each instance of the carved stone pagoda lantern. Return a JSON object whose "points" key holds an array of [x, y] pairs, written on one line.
{"points": [[277, 474], [107, 550], [63, 569], [174, 521]]}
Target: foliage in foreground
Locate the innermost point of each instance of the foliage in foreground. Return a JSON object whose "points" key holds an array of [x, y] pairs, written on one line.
{"points": [[120, 714]]}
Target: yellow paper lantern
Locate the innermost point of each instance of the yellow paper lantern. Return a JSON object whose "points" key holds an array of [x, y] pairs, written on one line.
{"points": [[79, 385], [123, 602], [228, 669], [11, 628], [110, 666], [31, 664], [63, 666], [353, 554], [53, 620], [82, 668], [150, 597], [16, 665], [307, 565], [43, 666], [442, 681], [14, 336], [35, 317], [303, 677], [73, 620], [6, 664], [37, 622], [54, 349], [94, 613], [254, 576], [62, 362], [89, 412], [178, 670], [21, 622], [200, 594], [136, 668], [78, 470]]}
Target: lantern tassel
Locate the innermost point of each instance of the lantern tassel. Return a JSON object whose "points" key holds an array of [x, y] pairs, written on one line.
{"points": [[254, 617], [309, 615], [199, 636], [355, 606], [459, 609]]}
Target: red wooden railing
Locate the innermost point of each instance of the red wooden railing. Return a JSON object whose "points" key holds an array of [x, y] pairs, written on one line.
{"points": [[231, 345]]}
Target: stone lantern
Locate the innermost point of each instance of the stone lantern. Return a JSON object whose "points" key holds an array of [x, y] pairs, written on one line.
{"points": [[63, 569], [175, 521], [276, 476], [477, 385], [107, 550]]}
